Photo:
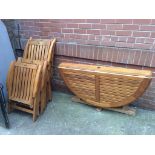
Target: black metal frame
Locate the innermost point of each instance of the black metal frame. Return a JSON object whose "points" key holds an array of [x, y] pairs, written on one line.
{"points": [[3, 107]]}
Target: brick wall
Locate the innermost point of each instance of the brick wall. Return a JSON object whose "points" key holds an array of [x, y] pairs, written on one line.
{"points": [[127, 43]]}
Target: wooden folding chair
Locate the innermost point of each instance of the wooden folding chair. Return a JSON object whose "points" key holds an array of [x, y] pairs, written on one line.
{"points": [[43, 84], [23, 84], [43, 50]]}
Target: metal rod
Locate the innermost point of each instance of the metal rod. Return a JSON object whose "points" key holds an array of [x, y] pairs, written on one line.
{"points": [[3, 107]]}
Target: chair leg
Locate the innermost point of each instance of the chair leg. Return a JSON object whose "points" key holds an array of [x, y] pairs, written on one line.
{"points": [[36, 108], [4, 112], [34, 113], [50, 92], [10, 108], [43, 100]]}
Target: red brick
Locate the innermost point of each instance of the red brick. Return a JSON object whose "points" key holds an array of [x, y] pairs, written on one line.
{"points": [[149, 40], [43, 34], [122, 39], [80, 41], [99, 53], [114, 38], [114, 55], [98, 26], [78, 20], [43, 24], [98, 37], [123, 21], [130, 27], [81, 31], [29, 23], [54, 29], [141, 21], [72, 26], [92, 20], [123, 44], [152, 34], [57, 25], [114, 27], [83, 52], [96, 51], [131, 40], [120, 55], [106, 38], [79, 36], [85, 26], [70, 49], [153, 21], [108, 21], [104, 55], [71, 35], [141, 34], [125, 56], [67, 36], [109, 55], [22, 28], [147, 28], [67, 30], [143, 46], [152, 63], [107, 32], [44, 29], [143, 58], [108, 43], [148, 58], [91, 51], [78, 51], [43, 20], [123, 33], [91, 37], [64, 20], [95, 32], [131, 57], [140, 40], [137, 57], [93, 42]]}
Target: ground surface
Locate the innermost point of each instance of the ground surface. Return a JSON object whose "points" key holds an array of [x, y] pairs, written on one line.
{"points": [[62, 116]]}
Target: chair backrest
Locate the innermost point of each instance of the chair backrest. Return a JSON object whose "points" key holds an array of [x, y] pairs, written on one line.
{"points": [[44, 65], [23, 82], [40, 49]]}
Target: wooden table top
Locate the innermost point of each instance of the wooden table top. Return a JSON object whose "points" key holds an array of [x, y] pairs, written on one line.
{"points": [[106, 69]]}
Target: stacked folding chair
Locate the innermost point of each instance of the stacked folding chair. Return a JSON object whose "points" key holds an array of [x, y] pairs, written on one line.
{"points": [[29, 78]]}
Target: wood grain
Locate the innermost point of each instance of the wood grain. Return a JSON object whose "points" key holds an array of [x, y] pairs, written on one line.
{"points": [[42, 50], [103, 86], [23, 84]]}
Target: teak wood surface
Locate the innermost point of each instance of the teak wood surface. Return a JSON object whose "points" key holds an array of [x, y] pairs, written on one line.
{"points": [[104, 86], [23, 84], [43, 50], [43, 83]]}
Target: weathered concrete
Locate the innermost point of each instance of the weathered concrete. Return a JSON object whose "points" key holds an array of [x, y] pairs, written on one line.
{"points": [[62, 116]]}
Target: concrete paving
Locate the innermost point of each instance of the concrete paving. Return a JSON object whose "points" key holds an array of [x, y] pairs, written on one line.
{"points": [[64, 117]]}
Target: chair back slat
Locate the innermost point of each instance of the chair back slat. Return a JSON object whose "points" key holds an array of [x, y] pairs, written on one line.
{"points": [[24, 82], [38, 49]]}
